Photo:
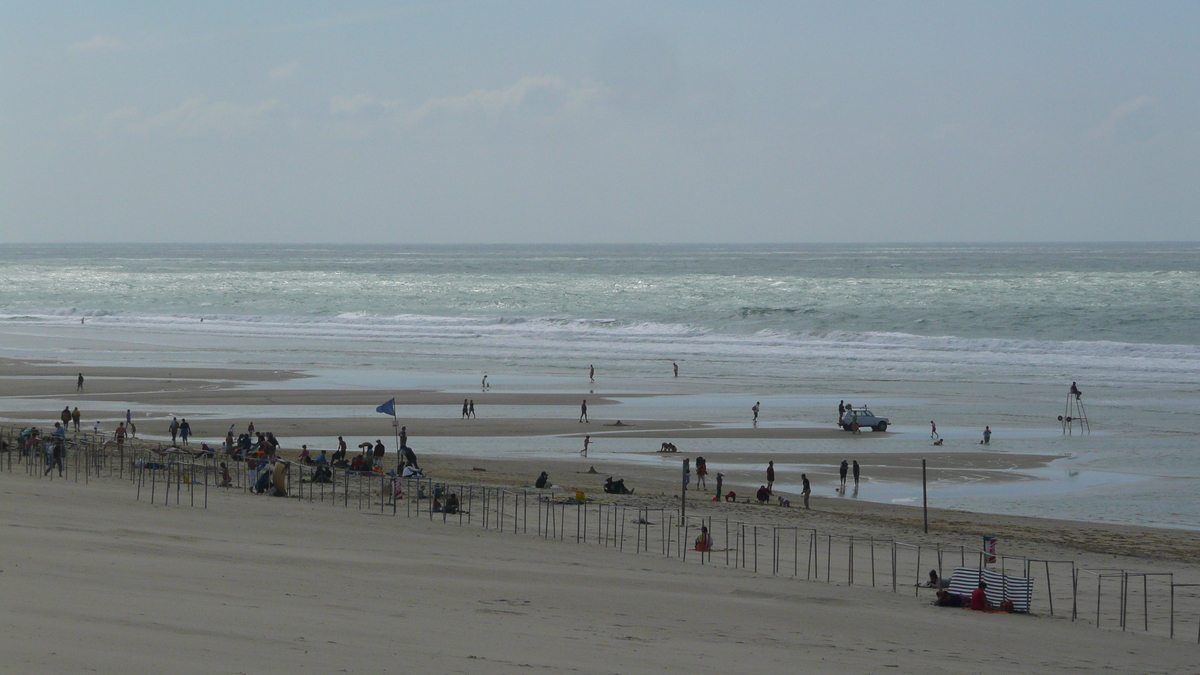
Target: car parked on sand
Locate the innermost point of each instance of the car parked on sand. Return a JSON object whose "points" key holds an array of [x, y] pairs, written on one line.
{"points": [[865, 419]]}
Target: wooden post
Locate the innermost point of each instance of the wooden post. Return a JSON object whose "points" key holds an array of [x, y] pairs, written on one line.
{"points": [[925, 496], [683, 491]]}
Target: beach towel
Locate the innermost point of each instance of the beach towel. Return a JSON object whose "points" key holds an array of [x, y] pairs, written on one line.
{"points": [[1000, 587]]}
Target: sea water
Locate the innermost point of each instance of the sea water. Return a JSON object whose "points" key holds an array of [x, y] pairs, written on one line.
{"points": [[965, 335]]}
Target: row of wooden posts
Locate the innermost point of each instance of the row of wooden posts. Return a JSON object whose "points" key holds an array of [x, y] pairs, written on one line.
{"points": [[183, 477]]}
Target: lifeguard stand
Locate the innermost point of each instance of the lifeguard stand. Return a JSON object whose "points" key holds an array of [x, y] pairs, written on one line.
{"points": [[1075, 414]]}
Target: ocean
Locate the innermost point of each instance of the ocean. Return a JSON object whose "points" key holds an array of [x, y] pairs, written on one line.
{"points": [[966, 334]]}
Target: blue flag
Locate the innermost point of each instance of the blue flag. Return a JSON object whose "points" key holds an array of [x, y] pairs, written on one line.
{"points": [[388, 408]]}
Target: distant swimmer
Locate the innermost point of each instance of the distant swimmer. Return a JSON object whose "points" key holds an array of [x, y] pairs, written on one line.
{"points": [[938, 442], [79, 383], [933, 430], [592, 373], [676, 367], [583, 412], [587, 440], [755, 411], [1075, 391]]}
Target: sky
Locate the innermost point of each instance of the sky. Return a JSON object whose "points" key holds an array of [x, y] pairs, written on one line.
{"points": [[613, 122]]}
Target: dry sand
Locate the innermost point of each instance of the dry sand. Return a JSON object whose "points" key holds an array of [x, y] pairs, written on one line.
{"points": [[93, 581]]}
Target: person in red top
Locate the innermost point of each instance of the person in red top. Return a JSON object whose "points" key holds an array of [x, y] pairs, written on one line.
{"points": [[979, 601], [770, 476]]}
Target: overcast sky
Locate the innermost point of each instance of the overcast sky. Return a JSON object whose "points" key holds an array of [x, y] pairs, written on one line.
{"points": [[599, 122]]}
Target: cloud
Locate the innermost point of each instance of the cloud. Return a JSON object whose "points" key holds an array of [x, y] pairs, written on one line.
{"points": [[284, 71], [545, 94], [1130, 119], [199, 116], [99, 43]]}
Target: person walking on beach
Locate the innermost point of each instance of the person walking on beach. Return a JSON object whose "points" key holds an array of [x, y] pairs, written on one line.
{"points": [[65, 416], [464, 410], [75, 417], [56, 456], [583, 411], [856, 473], [933, 430], [128, 416], [676, 367], [755, 411], [770, 475], [119, 434], [185, 430], [587, 440], [79, 383], [483, 385], [987, 435], [806, 490], [471, 409], [592, 373], [842, 470], [174, 429]]}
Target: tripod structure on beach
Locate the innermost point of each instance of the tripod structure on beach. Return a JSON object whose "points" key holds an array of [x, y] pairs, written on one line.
{"points": [[1073, 414]]}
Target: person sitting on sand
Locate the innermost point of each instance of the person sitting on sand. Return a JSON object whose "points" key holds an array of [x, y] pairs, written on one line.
{"points": [[263, 483], [704, 540], [764, 495], [979, 600], [321, 459], [541, 481], [412, 471], [356, 463], [323, 474], [948, 599], [305, 458], [410, 457], [451, 507], [226, 480], [279, 476]]}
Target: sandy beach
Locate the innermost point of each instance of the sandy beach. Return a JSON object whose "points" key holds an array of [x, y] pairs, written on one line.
{"points": [[306, 584]]}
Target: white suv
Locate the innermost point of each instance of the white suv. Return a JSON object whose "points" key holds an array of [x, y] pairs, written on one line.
{"points": [[865, 418]]}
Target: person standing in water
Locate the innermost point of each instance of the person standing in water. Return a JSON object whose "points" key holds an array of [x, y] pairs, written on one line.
{"points": [[484, 385], [583, 411], [676, 367], [587, 440], [856, 473], [79, 383], [987, 435], [933, 430], [755, 411], [592, 373]]}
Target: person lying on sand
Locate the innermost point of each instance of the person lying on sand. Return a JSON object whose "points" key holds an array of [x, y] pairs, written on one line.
{"points": [[616, 487], [948, 599]]}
